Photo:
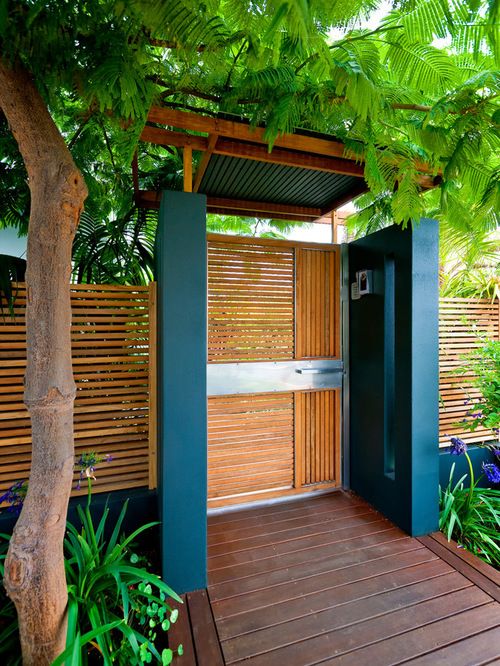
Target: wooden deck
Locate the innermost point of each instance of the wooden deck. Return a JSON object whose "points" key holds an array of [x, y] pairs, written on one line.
{"points": [[331, 581]]}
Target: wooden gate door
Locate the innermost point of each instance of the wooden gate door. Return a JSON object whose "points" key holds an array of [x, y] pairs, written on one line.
{"points": [[274, 368]]}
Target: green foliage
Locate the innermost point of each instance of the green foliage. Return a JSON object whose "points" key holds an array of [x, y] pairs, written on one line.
{"points": [[115, 251], [14, 194], [117, 610], [464, 283], [469, 244], [251, 226], [389, 93], [471, 516], [115, 604], [12, 269], [484, 364]]}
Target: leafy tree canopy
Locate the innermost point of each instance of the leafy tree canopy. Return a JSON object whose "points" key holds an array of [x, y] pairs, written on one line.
{"points": [[389, 93]]}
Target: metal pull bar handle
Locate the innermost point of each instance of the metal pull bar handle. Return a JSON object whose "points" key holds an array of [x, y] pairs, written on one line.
{"points": [[316, 371]]}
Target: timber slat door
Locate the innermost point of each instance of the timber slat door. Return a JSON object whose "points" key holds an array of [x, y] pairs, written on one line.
{"points": [[272, 301]]}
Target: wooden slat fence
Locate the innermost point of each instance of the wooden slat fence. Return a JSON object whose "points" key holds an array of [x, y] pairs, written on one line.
{"points": [[114, 352], [113, 347], [461, 323], [250, 443], [250, 301]]}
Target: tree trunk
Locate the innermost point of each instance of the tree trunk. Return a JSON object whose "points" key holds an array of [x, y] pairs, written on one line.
{"points": [[34, 568]]}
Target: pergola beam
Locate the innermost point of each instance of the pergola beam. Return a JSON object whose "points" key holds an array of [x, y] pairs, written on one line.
{"points": [[251, 151], [243, 132], [167, 138], [241, 208], [260, 214], [260, 207], [286, 157]]}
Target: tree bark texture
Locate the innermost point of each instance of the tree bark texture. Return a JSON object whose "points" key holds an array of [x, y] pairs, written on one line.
{"points": [[34, 568]]}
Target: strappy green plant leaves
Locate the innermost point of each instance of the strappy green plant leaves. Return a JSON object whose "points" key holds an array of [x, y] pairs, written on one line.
{"points": [[471, 516], [113, 600]]}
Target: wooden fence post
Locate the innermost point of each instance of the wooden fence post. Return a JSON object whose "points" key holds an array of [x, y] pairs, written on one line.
{"points": [[498, 301], [153, 399]]}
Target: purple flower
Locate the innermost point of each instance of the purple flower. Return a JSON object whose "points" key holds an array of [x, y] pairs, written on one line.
{"points": [[87, 463], [492, 472], [15, 497], [457, 446]]}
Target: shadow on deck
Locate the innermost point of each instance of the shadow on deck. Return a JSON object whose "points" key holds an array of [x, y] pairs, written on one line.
{"points": [[331, 581]]}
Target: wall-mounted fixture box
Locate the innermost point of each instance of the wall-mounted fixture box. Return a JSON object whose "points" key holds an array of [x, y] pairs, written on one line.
{"points": [[364, 281]]}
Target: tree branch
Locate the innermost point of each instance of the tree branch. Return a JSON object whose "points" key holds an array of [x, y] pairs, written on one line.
{"points": [[108, 146], [80, 129], [233, 65]]}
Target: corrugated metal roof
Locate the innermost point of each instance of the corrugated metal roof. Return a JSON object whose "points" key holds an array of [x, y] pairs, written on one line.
{"points": [[237, 178]]}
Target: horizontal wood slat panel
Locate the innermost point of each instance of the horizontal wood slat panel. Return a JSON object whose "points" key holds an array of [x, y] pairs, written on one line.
{"points": [[250, 301], [250, 444], [461, 323], [111, 363]]}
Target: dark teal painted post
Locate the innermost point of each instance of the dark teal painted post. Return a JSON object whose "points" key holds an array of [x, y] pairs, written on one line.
{"points": [[393, 337], [425, 378], [181, 264]]}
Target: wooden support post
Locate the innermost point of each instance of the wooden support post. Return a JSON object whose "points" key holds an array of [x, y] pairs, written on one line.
{"points": [[205, 159], [188, 168], [153, 398]]}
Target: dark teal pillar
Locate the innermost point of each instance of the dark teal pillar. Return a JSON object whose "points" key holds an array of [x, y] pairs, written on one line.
{"points": [[181, 267], [393, 337]]}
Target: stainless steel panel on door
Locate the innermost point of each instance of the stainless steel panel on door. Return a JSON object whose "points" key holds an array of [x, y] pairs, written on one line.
{"points": [[269, 376]]}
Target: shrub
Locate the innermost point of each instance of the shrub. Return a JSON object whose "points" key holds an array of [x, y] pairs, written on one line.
{"points": [[484, 363], [471, 515]]}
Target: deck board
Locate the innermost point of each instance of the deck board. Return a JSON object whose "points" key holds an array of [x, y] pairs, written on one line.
{"points": [[349, 614], [206, 640], [274, 550], [314, 552], [328, 580], [180, 633], [314, 567]]}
